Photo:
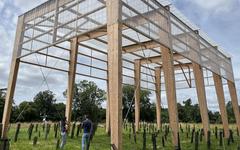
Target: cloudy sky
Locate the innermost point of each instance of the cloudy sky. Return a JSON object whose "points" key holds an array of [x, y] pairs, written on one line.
{"points": [[220, 19]]}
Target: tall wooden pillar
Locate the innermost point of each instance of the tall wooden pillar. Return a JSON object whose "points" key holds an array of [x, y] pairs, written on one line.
{"points": [[158, 95], [221, 101], [137, 74], [234, 99], [169, 76], [12, 77], [114, 33], [71, 78], [108, 111], [201, 93]]}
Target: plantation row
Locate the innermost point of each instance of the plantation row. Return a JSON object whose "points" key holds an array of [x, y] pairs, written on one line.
{"points": [[47, 136]]}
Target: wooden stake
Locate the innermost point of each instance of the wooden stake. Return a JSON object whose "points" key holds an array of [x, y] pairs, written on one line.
{"points": [[114, 30], [158, 96], [137, 74], [170, 92], [17, 132], [199, 81], [233, 95], [71, 78]]}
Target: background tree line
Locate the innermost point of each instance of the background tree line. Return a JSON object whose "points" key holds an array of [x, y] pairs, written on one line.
{"points": [[89, 98]]}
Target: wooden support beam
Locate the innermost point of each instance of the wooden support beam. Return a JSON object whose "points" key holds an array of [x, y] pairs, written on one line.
{"points": [[137, 47], [9, 97], [158, 96], [137, 78], [55, 21], [12, 77], [114, 33], [101, 31], [108, 110], [201, 93], [221, 101], [158, 59], [234, 99], [71, 78], [171, 92]]}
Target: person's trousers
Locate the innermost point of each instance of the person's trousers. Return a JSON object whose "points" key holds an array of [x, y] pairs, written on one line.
{"points": [[64, 138], [85, 141]]}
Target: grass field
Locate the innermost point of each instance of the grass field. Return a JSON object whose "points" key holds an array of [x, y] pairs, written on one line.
{"points": [[102, 142]]}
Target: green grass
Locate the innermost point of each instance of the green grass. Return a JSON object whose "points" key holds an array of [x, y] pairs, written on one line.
{"points": [[102, 142]]}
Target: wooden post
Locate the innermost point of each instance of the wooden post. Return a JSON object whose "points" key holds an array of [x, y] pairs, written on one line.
{"points": [[71, 78], [158, 95], [12, 77], [221, 101], [234, 99], [168, 70], [108, 111], [137, 74], [201, 93], [114, 33]]}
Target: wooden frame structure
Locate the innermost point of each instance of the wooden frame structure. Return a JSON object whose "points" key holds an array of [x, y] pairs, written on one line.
{"points": [[137, 42]]}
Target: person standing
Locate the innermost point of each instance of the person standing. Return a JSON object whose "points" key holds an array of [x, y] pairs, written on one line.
{"points": [[87, 126], [63, 127]]}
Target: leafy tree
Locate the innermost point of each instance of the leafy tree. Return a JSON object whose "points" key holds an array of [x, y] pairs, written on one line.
{"points": [[58, 111], [27, 112], [2, 101], [14, 113], [164, 115], [128, 102], [87, 100], [214, 117], [147, 112], [231, 116], [196, 116], [44, 102]]}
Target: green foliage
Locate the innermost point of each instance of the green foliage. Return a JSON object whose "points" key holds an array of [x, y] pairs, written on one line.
{"points": [[214, 117], [58, 111], [44, 102], [87, 100], [147, 112], [189, 112], [27, 112], [231, 117], [164, 115], [2, 101]]}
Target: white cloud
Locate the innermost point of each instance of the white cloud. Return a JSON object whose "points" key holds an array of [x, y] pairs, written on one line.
{"points": [[216, 6], [1, 4]]}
